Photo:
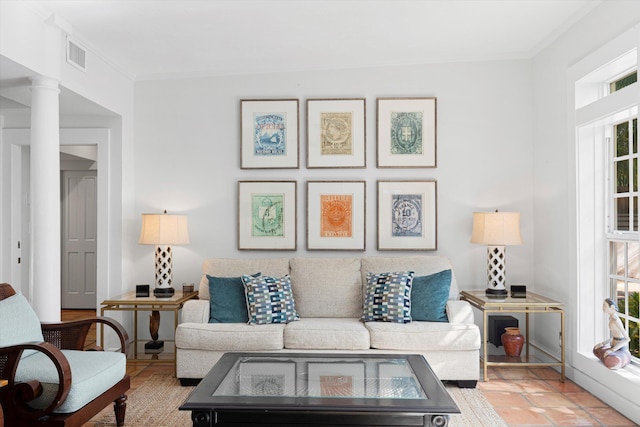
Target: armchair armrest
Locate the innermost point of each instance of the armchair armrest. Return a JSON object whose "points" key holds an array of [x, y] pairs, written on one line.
{"points": [[459, 312], [15, 395], [72, 335], [195, 311]]}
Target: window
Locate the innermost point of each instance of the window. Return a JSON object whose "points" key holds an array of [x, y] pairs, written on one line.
{"points": [[622, 82], [608, 258], [624, 248]]}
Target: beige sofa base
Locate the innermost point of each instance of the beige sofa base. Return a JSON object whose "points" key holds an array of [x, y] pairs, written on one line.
{"points": [[193, 365]]}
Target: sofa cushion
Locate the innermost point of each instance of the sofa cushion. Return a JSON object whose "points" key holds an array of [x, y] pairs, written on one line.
{"points": [[227, 303], [420, 264], [326, 334], [223, 267], [327, 287], [19, 323], [92, 373], [423, 336], [269, 299], [229, 337], [388, 297], [429, 296]]}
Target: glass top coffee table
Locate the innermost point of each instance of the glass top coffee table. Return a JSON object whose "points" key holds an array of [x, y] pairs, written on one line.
{"points": [[269, 389]]}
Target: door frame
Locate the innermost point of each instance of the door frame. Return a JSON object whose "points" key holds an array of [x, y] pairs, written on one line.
{"points": [[13, 192]]}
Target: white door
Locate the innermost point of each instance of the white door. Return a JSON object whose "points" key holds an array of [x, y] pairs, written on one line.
{"points": [[79, 239]]}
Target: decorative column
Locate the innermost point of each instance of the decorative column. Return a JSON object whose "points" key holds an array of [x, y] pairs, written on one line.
{"points": [[45, 199]]}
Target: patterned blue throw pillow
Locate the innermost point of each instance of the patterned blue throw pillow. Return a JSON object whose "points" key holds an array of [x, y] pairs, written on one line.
{"points": [[388, 297], [269, 300]]}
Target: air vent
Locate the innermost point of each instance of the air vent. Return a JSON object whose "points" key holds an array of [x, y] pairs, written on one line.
{"points": [[76, 55]]}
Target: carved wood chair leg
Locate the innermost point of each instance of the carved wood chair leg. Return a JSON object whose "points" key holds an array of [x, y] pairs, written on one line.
{"points": [[119, 408]]}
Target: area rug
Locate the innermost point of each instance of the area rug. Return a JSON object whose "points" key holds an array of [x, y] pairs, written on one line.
{"points": [[155, 404]]}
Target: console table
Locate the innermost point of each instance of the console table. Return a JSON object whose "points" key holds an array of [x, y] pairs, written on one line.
{"points": [[532, 304], [129, 302]]}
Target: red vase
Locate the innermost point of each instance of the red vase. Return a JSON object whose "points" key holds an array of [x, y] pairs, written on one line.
{"points": [[512, 342]]}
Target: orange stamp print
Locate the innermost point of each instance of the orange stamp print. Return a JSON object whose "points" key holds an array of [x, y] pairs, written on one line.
{"points": [[336, 214]]}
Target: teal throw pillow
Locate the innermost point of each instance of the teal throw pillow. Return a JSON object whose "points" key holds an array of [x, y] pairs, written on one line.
{"points": [[227, 303], [269, 300], [388, 297], [429, 296]]}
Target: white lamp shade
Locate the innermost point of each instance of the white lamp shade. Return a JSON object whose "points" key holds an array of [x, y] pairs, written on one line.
{"points": [[163, 229], [496, 228]]}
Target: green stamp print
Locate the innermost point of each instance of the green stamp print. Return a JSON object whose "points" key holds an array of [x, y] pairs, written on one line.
{"points": [[267, 215], [406, 132]]}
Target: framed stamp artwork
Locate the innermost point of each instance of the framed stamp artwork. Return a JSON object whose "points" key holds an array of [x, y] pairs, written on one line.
{"points": [[336, 379], [267, 378], [269, 134], [336, 215], [336, 133], [406, 135], [267, 215], [407, 215]]}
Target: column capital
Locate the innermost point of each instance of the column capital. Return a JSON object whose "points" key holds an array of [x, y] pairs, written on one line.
{"points": [[43, 82]]}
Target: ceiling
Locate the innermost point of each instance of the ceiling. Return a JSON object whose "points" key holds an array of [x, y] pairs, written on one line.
{"points": [[167, 38], [157, 39]]}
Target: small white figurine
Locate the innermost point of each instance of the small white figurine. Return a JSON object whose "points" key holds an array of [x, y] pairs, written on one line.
{"points": [[614, 352]]}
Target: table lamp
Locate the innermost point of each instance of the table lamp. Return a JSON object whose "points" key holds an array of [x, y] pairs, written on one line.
{"points": [[496, 230], [163, 231]]}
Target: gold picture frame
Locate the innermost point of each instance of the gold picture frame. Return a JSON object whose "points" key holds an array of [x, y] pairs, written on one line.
{"points": [[336, 133], [407, 215], [269, 134], [336, 212], [267, 215], [407, 132]]}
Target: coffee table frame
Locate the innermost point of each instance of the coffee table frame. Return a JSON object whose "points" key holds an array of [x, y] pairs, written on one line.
{"points": [[208, 410]]}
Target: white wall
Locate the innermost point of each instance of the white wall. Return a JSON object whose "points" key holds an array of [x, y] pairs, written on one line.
{"points": [[187, 157], [554, 177]]}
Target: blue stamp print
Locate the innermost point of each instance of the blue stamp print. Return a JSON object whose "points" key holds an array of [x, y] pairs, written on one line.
{"points": [[406, 132], [270, 134], [406, 214]]}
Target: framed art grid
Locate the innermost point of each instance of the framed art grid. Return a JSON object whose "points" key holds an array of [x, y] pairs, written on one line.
{"points": [[267, 215], [336, 133], [407, 215], [269, 134], [336, 215], [406, 136]]}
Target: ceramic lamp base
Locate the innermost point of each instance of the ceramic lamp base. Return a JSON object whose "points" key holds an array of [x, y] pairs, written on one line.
{"points": [[496, 293], [163, 292]]}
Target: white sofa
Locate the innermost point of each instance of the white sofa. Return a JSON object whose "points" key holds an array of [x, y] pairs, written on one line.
{"points": [[328, 294]]}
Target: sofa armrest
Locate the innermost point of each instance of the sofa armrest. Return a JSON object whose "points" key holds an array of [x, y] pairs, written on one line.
{"points": [[459, 312], [196, 311]]}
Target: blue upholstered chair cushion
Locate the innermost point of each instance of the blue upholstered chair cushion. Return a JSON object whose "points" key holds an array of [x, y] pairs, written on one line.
{"points": [[269, 300], [388, 297], [18, 323], [92, 372], [429, 296]]}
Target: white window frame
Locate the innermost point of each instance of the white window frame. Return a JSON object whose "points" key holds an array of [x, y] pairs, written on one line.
{"points": [[591, 111]]}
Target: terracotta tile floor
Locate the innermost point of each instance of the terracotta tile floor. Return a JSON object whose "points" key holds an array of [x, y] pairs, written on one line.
{"points": [[528, 397], [523, 397]]}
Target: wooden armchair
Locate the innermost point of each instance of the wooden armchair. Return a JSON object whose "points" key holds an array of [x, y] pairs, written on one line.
{"points": [[50, 380]]}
